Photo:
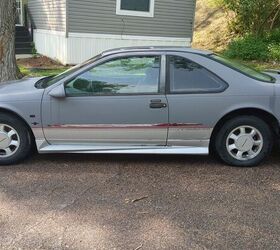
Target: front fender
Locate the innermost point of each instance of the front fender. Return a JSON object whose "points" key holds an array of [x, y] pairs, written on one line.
{"points": [[29, 112]]}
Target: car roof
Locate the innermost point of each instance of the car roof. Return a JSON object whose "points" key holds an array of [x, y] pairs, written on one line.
{"points": [[156, 48]]}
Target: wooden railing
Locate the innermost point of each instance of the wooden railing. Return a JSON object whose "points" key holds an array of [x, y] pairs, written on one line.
{"points": [[29, 22]]}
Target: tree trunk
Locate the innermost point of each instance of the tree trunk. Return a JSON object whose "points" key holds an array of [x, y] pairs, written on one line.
{"points": [[8, 66]]}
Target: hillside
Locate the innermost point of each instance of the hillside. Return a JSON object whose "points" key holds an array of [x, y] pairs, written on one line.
{"points": [[211, 30]]}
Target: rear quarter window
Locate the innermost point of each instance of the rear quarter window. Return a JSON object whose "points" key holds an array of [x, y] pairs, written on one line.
{"points": [[186, 76]]}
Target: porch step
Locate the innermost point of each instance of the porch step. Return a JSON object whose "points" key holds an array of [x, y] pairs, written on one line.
{"points": [[22, 32], [23, 41], [20, 51], [20, 28], [22, 45]]}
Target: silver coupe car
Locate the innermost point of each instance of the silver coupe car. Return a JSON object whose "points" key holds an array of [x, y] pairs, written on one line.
{"points": [[144, 100]]}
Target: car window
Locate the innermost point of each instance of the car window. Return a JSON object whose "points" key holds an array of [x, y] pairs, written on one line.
{"points": [[128, 75], [243, 69], [186, 76]]}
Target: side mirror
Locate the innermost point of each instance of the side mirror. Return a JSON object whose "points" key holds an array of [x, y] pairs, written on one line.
{"points": [[58, 92]]}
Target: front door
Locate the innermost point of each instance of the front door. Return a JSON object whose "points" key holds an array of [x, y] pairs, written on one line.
{"points": [[117, 103], [19, 13]]}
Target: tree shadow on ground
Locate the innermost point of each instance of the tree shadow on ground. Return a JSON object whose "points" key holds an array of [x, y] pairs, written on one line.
{"points": [[127, 201]]}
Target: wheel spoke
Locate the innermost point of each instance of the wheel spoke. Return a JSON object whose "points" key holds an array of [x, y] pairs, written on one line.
{"points": [[11, 133], [8, 151], [232, 147], [14, 143], [257, 143], [239, 154], [251, 152], [242, 131], [253, 132], [2, 127], [233, 137]]}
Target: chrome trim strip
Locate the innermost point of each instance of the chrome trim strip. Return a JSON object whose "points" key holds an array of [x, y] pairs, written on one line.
{"points": [[189, 143], [128, 126], [123, 150]]}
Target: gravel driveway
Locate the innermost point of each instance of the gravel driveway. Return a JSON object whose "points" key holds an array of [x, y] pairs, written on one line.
{"points": [[138, 202]]}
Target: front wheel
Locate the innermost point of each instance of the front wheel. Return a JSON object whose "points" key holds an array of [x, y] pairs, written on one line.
{"points": [[15, 140], [244, 141]]}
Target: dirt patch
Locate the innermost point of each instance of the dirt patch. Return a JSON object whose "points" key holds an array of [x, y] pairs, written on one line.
{"points": [[39, 62]]}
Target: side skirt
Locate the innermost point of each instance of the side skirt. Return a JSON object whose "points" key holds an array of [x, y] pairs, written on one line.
{"points": [[124, 150]]}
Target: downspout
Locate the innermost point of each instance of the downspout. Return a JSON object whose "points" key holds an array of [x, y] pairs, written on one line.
{"points": [[123, 29], [66, 31], [66, 18]]}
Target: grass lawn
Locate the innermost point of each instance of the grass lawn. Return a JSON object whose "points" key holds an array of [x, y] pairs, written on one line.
{"points": [[40, 66], [27, 72]]}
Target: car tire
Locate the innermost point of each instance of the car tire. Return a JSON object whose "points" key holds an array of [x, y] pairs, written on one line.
{"points": [[15, 140], [244, 141]]}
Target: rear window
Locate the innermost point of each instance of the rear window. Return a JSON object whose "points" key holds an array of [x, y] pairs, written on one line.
{"points": [[244, 69]]}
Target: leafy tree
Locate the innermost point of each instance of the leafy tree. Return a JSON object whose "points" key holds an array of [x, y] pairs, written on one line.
{"points": [[253, 16]]}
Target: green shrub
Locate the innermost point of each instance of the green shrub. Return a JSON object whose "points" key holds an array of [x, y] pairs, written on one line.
{"points": [[34, 51], [252, 47], [273, 37], [248, 48], [274, 52]]}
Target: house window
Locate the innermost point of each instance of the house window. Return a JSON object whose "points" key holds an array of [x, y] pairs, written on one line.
{"points": [[142, 8]]}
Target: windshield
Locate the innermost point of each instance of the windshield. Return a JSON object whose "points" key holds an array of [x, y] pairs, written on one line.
{"points": [[244, 69], [48, 81]]}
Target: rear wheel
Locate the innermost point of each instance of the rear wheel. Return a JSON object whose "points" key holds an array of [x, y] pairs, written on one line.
{"points": [[15, 140], [244, 141]]}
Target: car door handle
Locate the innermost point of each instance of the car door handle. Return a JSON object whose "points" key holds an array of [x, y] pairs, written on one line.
{"points": [[157, 104]]}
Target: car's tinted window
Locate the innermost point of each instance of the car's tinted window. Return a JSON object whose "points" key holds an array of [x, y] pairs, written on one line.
{"points": [[130, 75], [186, 76]]}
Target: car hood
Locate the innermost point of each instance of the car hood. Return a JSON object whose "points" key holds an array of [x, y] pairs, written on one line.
{"points": [[20, 90]]}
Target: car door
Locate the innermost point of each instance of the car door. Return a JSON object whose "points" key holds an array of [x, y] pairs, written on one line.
{"points": [[118, 102], [193, 94]]}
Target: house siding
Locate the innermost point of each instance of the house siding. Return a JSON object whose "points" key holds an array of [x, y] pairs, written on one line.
{"points": [[172, 18], [72, 31], [48, 14]]}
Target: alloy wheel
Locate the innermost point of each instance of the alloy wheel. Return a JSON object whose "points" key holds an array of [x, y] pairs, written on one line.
{"points": [[244, 143], [9, 141]]}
